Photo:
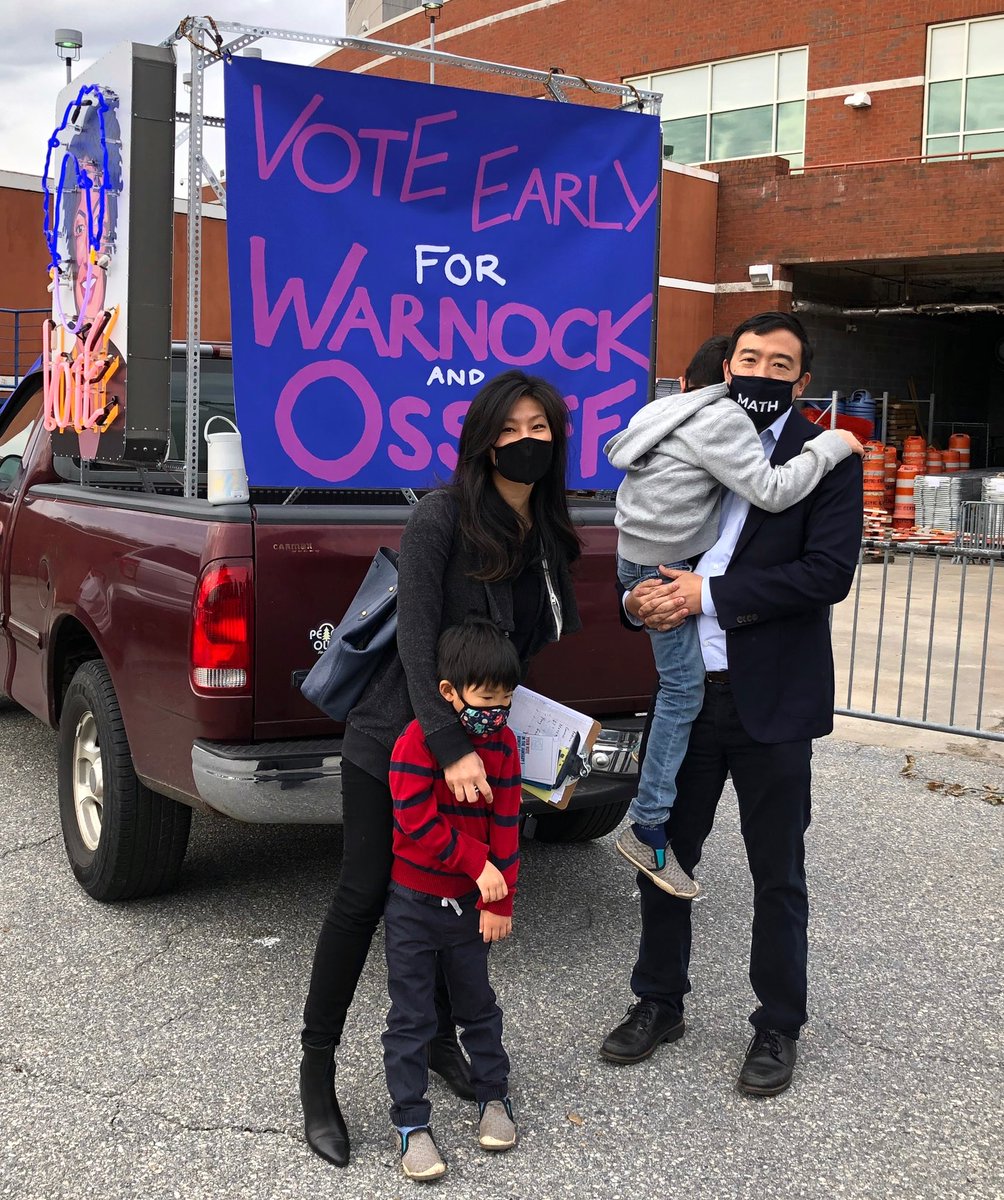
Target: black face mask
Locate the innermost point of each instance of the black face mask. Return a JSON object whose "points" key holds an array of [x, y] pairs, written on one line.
{"points": [[764, 400], [525, 461]]}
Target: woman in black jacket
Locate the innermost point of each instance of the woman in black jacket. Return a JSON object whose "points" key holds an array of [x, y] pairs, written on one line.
{"points": [[498, 543]]}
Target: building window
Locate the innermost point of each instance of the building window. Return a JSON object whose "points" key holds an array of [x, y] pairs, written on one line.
{"points": [[965, 88], [739, 108]]}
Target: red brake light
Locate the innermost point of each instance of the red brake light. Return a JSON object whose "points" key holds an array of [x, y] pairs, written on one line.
{"points": [[222, 627]]}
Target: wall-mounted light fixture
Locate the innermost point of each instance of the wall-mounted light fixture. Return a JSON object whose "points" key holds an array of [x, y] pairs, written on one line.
{"points": [[858, 100], [761, 275]]}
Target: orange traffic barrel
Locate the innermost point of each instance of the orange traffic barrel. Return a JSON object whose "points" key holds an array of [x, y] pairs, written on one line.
{"points": [[915, 452], [935, 465], [952, 461], [875, 472], [904, 510], [961, 442]]}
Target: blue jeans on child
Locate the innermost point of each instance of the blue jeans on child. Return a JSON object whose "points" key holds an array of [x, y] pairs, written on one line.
{"points": [[680, 665]]}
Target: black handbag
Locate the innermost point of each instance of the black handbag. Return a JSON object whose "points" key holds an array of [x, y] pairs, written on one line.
{"points": [[339, 677]]}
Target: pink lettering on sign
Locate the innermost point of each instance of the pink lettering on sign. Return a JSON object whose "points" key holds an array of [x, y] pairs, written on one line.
{"points": [[574, 316], [267, 165], [609, 331], [418, 444], [596, 429], [382, 137], [267, 320], [640, 207], [415, 162], [534, 191], [565, 187], [538, 327], [332, 470], [347, 176], [453, 419], [480, 190]]}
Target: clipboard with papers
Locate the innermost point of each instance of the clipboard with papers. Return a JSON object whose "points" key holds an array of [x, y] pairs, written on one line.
{"points": [[554, 744]]}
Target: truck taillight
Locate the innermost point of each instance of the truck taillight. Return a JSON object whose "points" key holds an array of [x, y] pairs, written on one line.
{"points": [[222, 627]]}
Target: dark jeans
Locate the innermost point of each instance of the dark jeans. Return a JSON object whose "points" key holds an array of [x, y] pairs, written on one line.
{"points": [[355, 910], [423, 934], [772, 783]]}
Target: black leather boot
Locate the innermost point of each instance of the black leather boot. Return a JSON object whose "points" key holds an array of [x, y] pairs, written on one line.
{"points": [[322, 1118]]}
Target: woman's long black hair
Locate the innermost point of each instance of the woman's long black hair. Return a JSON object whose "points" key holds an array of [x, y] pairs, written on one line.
{"points": [[491, 527]]}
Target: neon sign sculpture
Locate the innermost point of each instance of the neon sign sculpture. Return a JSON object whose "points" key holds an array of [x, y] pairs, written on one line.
{"points": [[79, 359]]}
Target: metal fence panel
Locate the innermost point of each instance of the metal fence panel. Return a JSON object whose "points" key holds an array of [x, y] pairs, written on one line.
{"points": [[915, 642]]}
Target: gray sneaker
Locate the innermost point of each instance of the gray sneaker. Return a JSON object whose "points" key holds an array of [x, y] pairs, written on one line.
{"points": [[671, 877], [497, 1129], [420, 1157]]}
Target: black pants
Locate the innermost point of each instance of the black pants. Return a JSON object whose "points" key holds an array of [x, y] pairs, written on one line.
{"points": [[772, 783], [423, 933], [355, 910]]}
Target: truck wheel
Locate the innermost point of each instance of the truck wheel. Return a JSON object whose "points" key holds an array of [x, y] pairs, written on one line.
{"points": [[583, 826], [122, 839]]}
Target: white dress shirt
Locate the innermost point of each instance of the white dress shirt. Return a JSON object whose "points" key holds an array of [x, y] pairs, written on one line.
{"points": [[714, 562]]}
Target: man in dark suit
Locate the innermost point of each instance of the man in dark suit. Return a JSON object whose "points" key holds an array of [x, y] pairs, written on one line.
{"points": [[761, 596]]}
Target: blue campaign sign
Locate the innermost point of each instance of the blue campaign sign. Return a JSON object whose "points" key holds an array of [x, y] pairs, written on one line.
{"points": [[392, 245]]}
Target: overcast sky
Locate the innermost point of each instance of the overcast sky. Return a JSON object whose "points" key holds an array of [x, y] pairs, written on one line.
{"points": [[31, 75]]}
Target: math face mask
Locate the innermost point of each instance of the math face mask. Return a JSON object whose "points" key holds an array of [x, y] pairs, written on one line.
{"points": [[479, 721], [763, 399]]}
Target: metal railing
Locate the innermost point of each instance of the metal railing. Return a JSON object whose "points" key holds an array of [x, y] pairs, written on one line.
{"points": [[20, 342], [949, 156], [914, 643]]}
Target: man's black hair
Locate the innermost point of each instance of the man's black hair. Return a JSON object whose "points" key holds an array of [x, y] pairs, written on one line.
{"points": [[767, 322], [706, 367], [477, 652]]}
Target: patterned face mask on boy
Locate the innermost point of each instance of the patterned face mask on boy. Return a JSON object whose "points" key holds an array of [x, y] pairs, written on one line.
{"points": [[479, 721]]}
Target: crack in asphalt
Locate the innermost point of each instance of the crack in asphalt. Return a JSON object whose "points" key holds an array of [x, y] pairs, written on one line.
{"points": [[178, 1016], [59, 1082], [169, 937], [899, 1054], [123, 1110], [28, 846]]}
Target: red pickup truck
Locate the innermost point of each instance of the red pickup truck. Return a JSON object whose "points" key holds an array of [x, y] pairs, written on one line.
{"points": [[166, 638]]}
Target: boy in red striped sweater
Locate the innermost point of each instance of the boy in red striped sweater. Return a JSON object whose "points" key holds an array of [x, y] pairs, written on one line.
{"points": [[451, 892]]}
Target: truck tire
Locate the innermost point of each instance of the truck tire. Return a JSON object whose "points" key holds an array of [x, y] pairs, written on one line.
{"points": [[586, 825], [122, 839]]}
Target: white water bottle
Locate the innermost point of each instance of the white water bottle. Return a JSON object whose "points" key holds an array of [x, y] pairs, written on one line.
{"points": [[226, 477]]}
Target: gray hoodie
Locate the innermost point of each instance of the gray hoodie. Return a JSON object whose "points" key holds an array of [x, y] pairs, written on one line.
{"points": [[679, 451]]}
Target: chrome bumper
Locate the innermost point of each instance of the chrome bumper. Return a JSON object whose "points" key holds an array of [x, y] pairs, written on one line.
{"points": [[300, 782], [277, 783]]}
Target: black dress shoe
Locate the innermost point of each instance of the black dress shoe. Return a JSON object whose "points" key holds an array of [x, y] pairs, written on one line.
{"points": [[770, 1060], [447, 1060], [646, 1026], [322, 1118]]}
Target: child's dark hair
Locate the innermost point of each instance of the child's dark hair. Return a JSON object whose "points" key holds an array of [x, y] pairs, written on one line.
{"points": [[477, 652]]}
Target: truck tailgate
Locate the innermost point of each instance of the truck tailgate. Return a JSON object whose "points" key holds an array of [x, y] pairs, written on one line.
{"points": [[310, 561], [308, 564]]}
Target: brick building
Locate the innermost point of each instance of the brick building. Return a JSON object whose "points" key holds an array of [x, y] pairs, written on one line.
{"points": [[855, 150]]}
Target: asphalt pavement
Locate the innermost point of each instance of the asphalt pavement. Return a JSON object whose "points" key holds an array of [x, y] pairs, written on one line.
{"points": [[150, 1050]]}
